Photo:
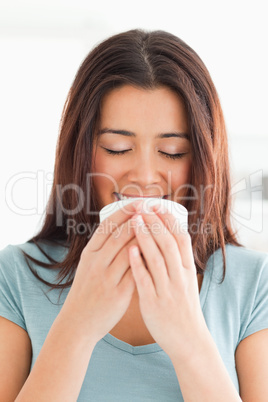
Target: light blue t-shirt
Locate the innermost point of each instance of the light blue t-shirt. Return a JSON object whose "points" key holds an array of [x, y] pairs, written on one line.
{"points": [[118, 371]]}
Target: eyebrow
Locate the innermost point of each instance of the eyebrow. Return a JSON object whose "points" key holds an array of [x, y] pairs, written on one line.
{"points": [[131, 134]]}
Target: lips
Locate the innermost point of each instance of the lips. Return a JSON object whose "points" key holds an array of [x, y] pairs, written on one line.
{"points": [[120, 196]]}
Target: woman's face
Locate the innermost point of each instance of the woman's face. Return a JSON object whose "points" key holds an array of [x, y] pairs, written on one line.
{"points": [[143, 148]]}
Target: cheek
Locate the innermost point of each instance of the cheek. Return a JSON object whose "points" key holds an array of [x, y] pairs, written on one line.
{"points": [[106, 172], [115, 166], [181, 179], [101, 164]]}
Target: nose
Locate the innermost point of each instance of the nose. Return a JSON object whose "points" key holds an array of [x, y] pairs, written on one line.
{"points": [[145, 171]]}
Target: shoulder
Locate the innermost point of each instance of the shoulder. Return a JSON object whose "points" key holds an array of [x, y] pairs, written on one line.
{"points": [[242, 297], [245, 255], [13, 262], [12, 253], [241, 263], [246, 276], [16, 251], [8, 260], [235, 255]]}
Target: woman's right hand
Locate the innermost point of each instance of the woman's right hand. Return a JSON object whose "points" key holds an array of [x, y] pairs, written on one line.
{"points": [[103, 284]]}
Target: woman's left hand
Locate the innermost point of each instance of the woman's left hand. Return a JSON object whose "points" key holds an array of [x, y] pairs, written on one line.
{"points": [[168, 289]]}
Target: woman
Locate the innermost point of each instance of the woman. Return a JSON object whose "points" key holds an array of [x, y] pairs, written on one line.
{"points": [[85, 316]]}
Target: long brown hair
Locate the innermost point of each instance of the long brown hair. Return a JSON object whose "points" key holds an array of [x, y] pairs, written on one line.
{"points": [[146, 60]]}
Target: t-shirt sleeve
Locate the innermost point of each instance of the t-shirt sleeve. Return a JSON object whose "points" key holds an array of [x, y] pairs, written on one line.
{"points": [[10, 297], [258, 318]]}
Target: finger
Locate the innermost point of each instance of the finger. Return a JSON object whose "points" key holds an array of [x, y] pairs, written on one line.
{"points": [[180, 234], [166, 244], [127, 284], [116, 241], [120, 264], [153, 256], [108, 225], [143, 279]]}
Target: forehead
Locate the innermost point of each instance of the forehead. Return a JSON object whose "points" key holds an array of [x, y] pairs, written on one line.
{"points": [[139, 110]]}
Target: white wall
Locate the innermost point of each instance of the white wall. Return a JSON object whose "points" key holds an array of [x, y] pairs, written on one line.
{"points": [[42, 45]]}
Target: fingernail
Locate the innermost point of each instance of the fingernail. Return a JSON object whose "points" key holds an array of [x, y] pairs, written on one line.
{"points": [[135, 251], [160, 209], [139, 220]]}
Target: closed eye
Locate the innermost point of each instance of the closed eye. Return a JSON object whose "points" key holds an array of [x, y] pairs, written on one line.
{"points": [[116, 152], [171, 156]]}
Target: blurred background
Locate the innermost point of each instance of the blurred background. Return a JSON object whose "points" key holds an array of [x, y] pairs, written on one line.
{"points": [[42, 44]]}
